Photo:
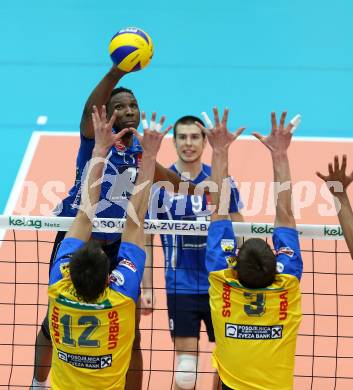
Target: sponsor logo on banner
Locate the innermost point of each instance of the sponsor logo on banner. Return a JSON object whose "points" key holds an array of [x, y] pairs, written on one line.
{"points": [[108, 224], [27, 222], [286, 250], [261, 229], [227, 245], [333, 232], [253, 332], [128, 264]]}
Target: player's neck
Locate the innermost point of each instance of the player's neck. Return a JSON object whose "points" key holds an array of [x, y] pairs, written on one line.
{"points": [[192, 169]]}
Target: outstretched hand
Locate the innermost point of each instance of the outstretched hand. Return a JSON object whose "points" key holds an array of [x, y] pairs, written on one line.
{"points": [[219, 136], [337, 180], [280, 137], [104, 137], [152, 135]]}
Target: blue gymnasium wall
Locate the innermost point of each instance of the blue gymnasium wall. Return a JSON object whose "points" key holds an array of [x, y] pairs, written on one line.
{"points": [[252, 55]]}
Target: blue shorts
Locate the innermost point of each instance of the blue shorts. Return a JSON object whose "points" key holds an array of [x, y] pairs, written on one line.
{"points": [[186, 311]]}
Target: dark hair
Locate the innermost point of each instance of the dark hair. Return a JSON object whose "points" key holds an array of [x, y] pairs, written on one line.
{"points": [[187, 120], [256, 264], [89, 269], [119, 90]]}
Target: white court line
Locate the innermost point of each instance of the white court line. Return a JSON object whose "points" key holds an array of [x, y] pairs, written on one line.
{"points": [[26, 163], [242, 137], [20, 178]]}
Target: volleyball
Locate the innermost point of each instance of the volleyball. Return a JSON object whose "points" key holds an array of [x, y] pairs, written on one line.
{"points": [[131, 49]]}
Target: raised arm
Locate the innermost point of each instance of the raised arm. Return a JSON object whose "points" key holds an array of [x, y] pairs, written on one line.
{"points": [[99, 97], [278, 142], [138, 203], [82, 226], [337, 181], [220, 140]]}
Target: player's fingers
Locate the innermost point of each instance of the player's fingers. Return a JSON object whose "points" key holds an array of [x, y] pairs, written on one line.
{"points": [[123, 132], [166, 131], [282, 119], [336, 163], [202, 128], [153, 121], [273, 120], [207, 120], [290, 128], [258, 136], [216, 116], [144, 121], [225, 117], [161, 123], [113, 118], [135, 133], [351, 177], [104, 113], [238, 132], [94, 117], [344, 163], [294, 123], [321, 176], [330, 169]]}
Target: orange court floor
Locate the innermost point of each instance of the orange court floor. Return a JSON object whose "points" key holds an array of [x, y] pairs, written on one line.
{"points": [[324, 358]]}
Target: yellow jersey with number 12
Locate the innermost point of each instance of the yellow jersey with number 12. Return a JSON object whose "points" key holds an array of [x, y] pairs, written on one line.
{"points": [[92, 342]]}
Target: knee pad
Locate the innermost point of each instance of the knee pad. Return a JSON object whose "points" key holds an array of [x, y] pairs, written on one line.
{"points": [[185, 376]]}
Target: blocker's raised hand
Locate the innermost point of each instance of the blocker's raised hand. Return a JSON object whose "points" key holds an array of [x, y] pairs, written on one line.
{"points": [[219, 136], [152, 135], [104, 137], [337, 175], [281, 134]]}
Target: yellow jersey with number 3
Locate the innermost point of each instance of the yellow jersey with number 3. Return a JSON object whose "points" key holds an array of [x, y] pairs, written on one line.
{"points": [[255, 330], [92, 342]]}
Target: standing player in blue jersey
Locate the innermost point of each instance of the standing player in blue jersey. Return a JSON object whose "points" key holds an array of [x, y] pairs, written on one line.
{"points": [[92, 312], [119, 178], [338, 181], [254, 295], [186, 274]]}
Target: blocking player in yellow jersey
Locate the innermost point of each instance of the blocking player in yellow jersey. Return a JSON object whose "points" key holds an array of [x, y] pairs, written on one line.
{"points": [[254, 295], [92, 314]]}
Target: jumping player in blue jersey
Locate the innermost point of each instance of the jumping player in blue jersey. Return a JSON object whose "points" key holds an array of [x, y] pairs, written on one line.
{"points": [[92, 311], [186, 274], [119, 178]]}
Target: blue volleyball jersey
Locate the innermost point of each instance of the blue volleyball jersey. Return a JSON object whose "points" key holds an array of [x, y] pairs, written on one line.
{"points": [[120, 174], [185, 255], [92, 342]]}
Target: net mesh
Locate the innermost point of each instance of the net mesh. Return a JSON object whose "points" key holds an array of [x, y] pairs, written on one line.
{"points": [[324, 356]]}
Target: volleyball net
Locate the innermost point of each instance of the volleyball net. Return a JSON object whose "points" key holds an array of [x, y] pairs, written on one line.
{"points": [[324, 356]]}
